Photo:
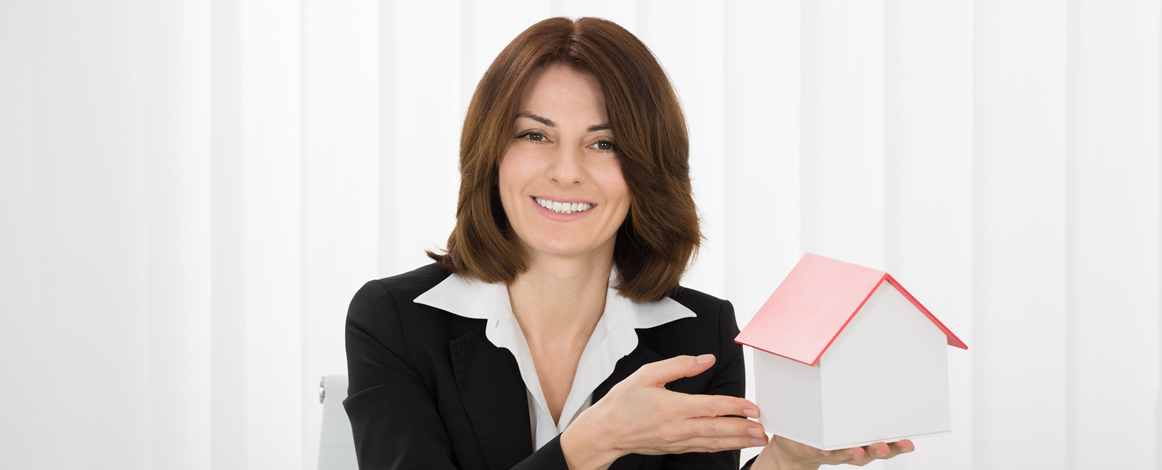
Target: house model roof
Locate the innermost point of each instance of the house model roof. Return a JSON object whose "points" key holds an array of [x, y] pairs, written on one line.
{"points": [[814, 304]]}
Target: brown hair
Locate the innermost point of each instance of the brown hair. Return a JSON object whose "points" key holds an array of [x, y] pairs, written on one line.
{"points": [[660, 234]]}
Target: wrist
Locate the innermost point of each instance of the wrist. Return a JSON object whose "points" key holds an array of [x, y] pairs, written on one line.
{"points": [[584, 450]]}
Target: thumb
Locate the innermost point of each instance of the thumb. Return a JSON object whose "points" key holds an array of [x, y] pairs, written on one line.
{"points": [[674, 368]]}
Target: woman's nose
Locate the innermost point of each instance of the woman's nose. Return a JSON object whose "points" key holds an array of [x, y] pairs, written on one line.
{"points": [[568, 166]]}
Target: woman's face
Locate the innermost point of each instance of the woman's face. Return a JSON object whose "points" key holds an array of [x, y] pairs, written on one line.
{"points": [[560, 180]]}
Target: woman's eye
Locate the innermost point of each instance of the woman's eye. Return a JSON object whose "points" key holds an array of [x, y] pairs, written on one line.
{"points": [[604, 145], [533, 136]]}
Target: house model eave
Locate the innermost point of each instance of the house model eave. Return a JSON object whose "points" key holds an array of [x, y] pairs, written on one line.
{"points": [[813, 306]]}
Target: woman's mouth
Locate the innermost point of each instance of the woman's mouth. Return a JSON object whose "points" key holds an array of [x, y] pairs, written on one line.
{"points": [[563, 207]]}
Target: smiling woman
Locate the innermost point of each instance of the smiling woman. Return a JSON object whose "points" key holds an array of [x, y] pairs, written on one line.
{"points": [[553, 333]]}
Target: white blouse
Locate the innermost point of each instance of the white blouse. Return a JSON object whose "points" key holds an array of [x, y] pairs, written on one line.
{"points": [[613, 338]]}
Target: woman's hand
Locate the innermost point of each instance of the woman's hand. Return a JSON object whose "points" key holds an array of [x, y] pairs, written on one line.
{"points": [[785, 454], [639, 416]]}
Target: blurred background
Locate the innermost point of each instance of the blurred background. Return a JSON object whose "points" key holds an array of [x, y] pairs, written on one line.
{"points": [[192, 191]]}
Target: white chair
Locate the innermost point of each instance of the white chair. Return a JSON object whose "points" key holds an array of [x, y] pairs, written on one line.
{"points": [[336, 445]]}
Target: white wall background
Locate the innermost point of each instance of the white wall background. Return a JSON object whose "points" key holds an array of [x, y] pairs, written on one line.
{"points": [[190, 192]]}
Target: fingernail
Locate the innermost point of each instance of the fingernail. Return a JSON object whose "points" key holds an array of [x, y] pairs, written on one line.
{"points": [[825, 452], [756, 432], [753, 413], [905, 450], [704, 358], [880, 453], [758, 442]]}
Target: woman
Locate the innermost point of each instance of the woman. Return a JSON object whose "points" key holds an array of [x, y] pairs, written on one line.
{"points": [[553, 332]]}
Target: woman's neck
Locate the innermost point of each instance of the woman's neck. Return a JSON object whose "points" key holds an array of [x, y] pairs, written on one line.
{"points": [[559, 301]]}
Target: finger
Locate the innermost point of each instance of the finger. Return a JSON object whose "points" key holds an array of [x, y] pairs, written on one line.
{"points": [[884, 451], [663, 372], [878, 450], [714, 444], [859, 462], [722, 427], [718, 405], [896, 448], [873, 452]]}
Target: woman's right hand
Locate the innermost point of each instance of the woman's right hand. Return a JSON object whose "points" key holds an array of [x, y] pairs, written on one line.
{"points": [[640, 416]]}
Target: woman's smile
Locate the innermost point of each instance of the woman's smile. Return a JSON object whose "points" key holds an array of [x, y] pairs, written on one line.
{"points": [[563, 205]]}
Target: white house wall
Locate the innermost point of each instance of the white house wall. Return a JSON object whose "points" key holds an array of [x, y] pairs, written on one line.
{"points": [[1000, 158], [886, 375], [790, 397]]}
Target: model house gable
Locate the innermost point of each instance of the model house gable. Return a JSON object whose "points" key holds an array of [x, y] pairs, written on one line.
{"points": [[815, 303]]}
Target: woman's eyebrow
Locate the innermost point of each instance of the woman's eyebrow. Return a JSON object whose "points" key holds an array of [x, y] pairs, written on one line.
{"points": [[543, 120], [549, 122]]}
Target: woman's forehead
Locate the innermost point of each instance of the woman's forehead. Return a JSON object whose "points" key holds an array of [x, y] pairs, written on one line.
{"points": [[565, 96]]}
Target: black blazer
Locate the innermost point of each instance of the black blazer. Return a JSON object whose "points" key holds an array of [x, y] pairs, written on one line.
{"points": [[429, 391]]}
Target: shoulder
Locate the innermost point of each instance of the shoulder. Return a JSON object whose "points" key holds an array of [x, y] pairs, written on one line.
{"points": [[699, 302], [388, 304], [712, 311], [407, 286], [390, 295]]}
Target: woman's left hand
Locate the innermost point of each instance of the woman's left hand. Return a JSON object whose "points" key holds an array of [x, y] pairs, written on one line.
{"points": [[784, 454]]}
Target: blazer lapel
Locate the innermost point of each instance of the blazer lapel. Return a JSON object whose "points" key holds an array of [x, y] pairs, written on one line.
{"points": [[494, 396], [627, 365], [624, 368]]}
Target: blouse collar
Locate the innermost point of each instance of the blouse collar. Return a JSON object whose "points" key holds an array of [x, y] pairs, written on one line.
{"points": [[482, 301]]}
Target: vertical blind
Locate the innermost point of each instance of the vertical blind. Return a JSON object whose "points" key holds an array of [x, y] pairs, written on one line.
{"points": [[192, 191]]}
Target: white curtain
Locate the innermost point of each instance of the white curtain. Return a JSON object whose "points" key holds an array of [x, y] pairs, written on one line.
{"points": [[192, 191]]}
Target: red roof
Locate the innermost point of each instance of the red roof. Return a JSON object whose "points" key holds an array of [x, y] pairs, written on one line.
{"points": [[813, 305]]}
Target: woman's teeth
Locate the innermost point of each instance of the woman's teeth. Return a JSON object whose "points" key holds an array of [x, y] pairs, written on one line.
{"points": [[563, 207]]}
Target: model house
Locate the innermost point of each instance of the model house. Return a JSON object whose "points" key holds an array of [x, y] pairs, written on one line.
{"points": [[845, 357]]}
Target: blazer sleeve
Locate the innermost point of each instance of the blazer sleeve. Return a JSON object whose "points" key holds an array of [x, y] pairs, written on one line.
{"points": [[393, 413]]}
